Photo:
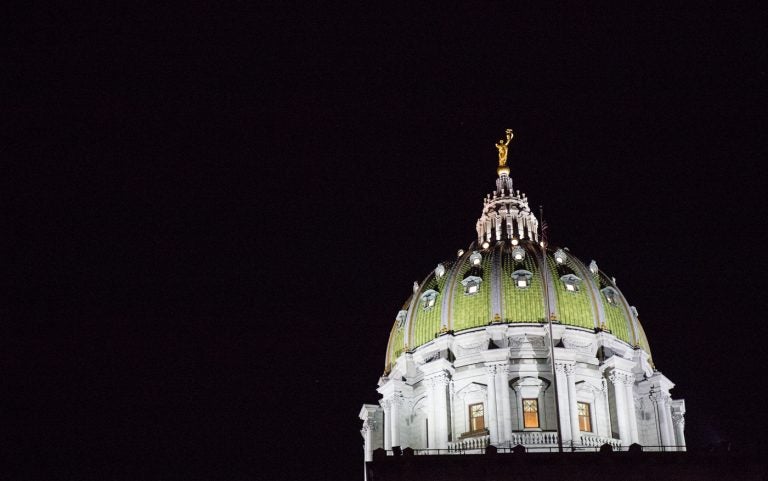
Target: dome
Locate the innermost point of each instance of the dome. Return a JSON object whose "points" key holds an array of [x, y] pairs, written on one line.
{"points": [[519, 342], [511, 286]]}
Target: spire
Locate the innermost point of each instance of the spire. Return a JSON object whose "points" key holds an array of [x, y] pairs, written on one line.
{"points": [[506, 213]]}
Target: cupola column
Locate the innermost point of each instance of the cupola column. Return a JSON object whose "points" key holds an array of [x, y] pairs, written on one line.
{"points": [[386, 404], [563, 408], [633, 431], [506, 407], [438, 426], [573, 408], [664, 416], [397, 401], [619, 380], [493, 428]]}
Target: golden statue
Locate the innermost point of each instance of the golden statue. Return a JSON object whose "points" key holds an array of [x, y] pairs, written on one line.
{"points": [[502, 146]]}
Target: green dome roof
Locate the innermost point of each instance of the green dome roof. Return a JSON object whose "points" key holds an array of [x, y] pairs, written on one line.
{"points": [[443, 303]]}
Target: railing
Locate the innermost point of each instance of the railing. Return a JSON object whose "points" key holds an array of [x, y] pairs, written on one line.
{"points": [[462, 447], [533, 438], [469, 444], [593, 441]]}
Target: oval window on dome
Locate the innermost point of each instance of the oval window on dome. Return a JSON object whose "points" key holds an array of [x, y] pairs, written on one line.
{"points": [[475, 259], [561, 256], [518, 254]]}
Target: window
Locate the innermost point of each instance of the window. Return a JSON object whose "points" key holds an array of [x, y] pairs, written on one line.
{"points": [[429, 299], [522, 278], [585, 421], [611, 296], [475, 259], [571, 282], [530, 413], [560, 256], [476, 417], [471, 285], [518, 254]]}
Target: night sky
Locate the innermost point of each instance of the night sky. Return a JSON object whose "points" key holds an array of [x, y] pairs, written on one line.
{"points": [[220, 211]]}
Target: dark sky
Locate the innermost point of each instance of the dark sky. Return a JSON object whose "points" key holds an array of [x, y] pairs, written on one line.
{"points": [[223, 209]]}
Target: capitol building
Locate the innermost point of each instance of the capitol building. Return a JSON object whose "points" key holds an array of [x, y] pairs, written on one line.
{"points": [[518, 342]]}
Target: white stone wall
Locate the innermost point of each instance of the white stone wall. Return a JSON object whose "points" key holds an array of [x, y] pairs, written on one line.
{"points": [[429, 409]]}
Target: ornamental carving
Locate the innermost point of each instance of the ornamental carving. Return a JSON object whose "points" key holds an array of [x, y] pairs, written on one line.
{"points": [[518, 342], [679, 420], [437, 380], [578, 345], [564, 368], [620, 377]]}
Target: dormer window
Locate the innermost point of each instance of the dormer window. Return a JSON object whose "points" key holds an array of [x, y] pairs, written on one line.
{"points": [[429, 299], [518, 254], [400, 318], [561, 256], [522, 278], [471, 285], [475, 259], [571, 282], [611, 296]]}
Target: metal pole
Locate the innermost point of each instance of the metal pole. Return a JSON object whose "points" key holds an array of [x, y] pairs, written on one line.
{"points": [[545, 271]]}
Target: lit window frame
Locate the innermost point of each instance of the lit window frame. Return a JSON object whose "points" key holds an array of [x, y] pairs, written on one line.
{"points": [[571, 282], [472, 285], [473, 416], [522, 275], [531, 416], [429, 299], [585, 416], [611, 296]]}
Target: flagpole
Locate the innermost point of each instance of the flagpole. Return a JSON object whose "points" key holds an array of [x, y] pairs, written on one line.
{"points": [[549, 321]]}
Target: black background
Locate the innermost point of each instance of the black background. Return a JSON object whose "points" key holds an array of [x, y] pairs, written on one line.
{"points": [[222, 208]]}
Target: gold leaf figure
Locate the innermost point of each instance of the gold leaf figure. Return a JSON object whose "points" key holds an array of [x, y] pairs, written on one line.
{"points": [[502, 146]]}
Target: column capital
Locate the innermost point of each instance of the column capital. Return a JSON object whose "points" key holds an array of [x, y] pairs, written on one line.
{"points": [[565, 367], [368, 425], [437, 379], [621, 377], [660, 397], [678, 419], [385, 403]]}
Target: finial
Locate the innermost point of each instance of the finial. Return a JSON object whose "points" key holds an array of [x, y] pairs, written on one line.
{"points": [[502, 145]]}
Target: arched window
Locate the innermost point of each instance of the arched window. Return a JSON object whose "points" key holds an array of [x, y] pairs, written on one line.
{"points": [[571, 282]]}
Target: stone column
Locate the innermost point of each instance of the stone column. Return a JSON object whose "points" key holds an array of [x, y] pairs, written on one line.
{"points": [[633, 431], [664, 417], [619, 379], [679, 421], [368, 426], [438, 421], [573, 408], [387, 404], [563, 409], [506, 407], [440, 382], [397, 401], [492, 421]]}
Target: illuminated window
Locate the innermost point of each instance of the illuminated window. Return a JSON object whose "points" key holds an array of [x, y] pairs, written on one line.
{"points": [[560, 256], [471, 285], [522, 278], [611, 296], [585, 421], [518, 254], [476, 417], [475, 259], [429, 299], [571, 282], [530, 413]]}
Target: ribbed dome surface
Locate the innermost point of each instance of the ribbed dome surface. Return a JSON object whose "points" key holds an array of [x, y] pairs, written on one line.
{"points": [[514, 291]]}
